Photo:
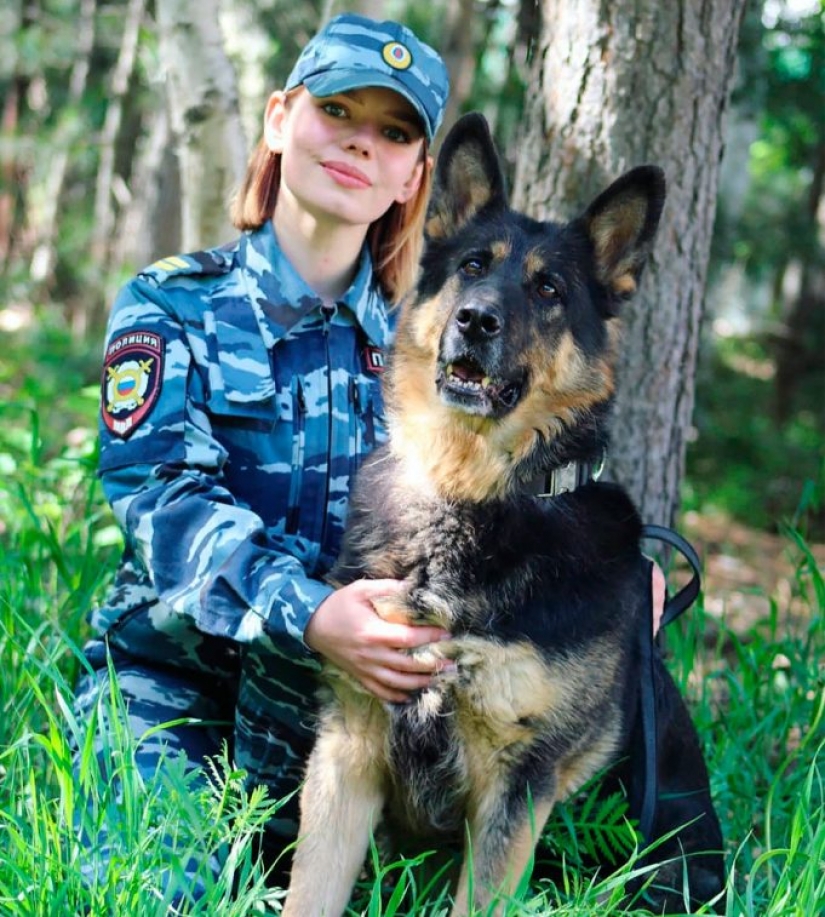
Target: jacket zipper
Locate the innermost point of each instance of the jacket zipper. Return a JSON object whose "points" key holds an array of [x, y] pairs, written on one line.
{"points": [[298, 447], [357, 422], [328, 313]]}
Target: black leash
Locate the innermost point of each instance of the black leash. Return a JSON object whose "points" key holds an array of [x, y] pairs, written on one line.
{"points": [[569, 478], [674, 607]]}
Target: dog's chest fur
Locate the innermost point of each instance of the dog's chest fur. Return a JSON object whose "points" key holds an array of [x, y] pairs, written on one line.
{"points": [[496, 575]]}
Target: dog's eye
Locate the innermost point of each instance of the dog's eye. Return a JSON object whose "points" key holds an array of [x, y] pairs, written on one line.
{"points": [[548, 291], [473, 267]]}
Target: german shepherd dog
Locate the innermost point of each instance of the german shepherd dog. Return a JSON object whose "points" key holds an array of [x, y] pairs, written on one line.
{"points": [[503, 368]]}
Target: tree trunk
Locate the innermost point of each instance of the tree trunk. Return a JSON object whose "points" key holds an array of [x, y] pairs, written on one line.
{"points": [[248, 45], [44, 257], [615, 85], [458, 49], [798, 349], [13, 172], [149, 225], [10, 169], [104, 210], [205, 117], [374, 9]]}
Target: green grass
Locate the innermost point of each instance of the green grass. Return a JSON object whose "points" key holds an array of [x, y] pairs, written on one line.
{"points": [[757, 698]]}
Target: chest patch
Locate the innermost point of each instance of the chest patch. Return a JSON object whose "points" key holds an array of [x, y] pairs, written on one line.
{"points": [[374, 359], [132, 376]]}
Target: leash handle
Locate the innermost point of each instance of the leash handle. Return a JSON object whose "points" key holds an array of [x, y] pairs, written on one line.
{"points": [[686, 596]]}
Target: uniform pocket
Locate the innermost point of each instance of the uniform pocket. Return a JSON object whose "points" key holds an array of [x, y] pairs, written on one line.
{"points": [[258, 416], [366, 424], [153, 633]]}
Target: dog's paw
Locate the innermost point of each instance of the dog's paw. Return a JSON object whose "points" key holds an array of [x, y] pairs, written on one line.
{"points": [[429, 655], [468, 653], [433, 656], [431, 606], [394, 609]]}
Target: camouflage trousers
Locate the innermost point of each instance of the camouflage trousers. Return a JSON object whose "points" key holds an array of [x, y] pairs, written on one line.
{"points": [[254, 702]]}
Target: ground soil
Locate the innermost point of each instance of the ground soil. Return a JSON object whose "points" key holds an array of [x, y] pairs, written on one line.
{"points": [[749, 572]]}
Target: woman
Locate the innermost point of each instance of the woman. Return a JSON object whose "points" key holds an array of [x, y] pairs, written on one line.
{"points": [[240, 394]]}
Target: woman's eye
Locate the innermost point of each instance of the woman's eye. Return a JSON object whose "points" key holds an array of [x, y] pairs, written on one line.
{"points": [[397, 135], [473, 267], [334, 109]]}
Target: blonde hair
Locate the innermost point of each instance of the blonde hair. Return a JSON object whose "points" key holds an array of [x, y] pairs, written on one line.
{"points": [[394, 239]]}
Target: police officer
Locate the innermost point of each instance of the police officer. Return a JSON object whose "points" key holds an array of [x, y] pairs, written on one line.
{"points": [[240, 394]]}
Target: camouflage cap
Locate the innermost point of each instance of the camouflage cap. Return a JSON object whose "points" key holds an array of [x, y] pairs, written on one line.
{"points": [[353, 52]]}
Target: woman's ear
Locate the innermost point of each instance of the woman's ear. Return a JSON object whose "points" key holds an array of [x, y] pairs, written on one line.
{"points": [[274, 121], [412, 185]]}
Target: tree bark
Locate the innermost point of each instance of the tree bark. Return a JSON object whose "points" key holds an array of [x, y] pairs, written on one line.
{"points": [[248, 44], [13, 172], [205, 117], [798, 348], [615, 85], [104, 210], [149, 226], [44, 256], [458, 50]]}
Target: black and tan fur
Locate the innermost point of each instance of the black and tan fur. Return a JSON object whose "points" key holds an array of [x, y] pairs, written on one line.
{"points": [[503, 368]]}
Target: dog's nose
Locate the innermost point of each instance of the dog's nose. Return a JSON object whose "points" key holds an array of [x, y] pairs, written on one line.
{"points": [[479, 320]]}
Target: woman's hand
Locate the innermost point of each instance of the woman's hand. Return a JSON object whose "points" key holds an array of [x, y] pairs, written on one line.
{"points": [[658, 586], [348, 631]]}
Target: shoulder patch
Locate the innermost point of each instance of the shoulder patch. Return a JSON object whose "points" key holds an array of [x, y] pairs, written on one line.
{"points": [[210, 262], [132, 376]]}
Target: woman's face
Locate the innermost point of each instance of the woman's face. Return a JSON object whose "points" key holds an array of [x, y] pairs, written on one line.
{"points": [[346, 158]]}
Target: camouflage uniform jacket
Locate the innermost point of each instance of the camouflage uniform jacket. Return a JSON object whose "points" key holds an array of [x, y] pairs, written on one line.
{"points": [[235, 411]]}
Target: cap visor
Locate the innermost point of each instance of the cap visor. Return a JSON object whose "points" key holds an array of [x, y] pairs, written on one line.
{"points": [[328, 84]]}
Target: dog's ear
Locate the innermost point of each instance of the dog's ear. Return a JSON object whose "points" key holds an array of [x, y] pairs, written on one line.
{"points": [[468, 177], [621, 223]]}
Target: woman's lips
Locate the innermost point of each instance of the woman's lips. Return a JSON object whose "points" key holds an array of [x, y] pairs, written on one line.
{"points": [[346, 175]]}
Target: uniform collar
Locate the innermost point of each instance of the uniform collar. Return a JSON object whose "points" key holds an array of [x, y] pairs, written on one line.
{"points": [[280, 297], [367, 303]]}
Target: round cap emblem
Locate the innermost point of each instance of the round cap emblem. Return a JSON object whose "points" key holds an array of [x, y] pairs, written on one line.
{"points": [[396, 55]]}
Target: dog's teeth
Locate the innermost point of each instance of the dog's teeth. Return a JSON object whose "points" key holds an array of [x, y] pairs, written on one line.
{"points": [[486, 381]]}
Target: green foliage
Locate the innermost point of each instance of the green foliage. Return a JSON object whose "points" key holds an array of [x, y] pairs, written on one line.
{"points": [[768, 752], [595, 830], [768, 233], [742, 461], [54, 828], [57, 537], [782, 87], [48, 387]]}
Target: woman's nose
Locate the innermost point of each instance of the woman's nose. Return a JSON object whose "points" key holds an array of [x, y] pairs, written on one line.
{"points": [[362, 140]]}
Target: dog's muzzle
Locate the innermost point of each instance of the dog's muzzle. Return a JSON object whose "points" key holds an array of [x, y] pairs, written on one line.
{"points": [[472, 375]]}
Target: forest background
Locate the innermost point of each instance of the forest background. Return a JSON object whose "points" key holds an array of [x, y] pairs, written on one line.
{"points": [[90, 186], [91, 165]]}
